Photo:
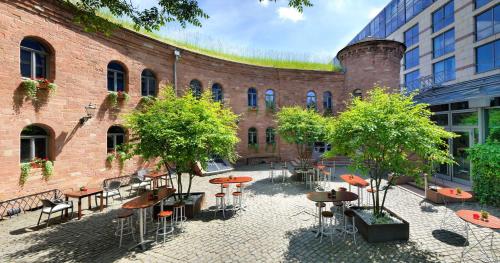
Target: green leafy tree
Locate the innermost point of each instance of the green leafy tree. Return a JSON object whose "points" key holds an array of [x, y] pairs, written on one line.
{"points": [[182, 11], [301, 127], [183, 131], [388, 133]]}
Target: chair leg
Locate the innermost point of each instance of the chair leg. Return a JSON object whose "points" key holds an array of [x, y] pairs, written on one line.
{"points": [[48, 219], [39, 218], [121, 232]]}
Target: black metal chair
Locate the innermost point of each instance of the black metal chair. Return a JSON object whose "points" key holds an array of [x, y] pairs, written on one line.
{"points": [[111, 190], [50, 207]]}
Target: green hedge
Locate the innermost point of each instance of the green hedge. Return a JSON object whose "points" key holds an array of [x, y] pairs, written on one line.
{"points": [[485, 159]]}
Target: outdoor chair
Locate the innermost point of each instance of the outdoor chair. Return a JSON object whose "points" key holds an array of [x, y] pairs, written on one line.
{"points": [[112, 190], [137, 184], [50, 207]]}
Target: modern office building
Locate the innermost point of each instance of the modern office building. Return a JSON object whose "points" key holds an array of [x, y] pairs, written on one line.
{"points": [[453, 60]]}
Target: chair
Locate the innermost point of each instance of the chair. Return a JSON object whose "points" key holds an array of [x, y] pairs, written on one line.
{"points": [[112, 190], [50, 207], [124, 224], [137, 184]]}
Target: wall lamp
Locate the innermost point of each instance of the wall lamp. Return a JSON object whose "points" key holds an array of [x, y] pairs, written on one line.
{"points": [[90, 110]]}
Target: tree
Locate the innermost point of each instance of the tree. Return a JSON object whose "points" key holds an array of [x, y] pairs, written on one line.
{"points": [[182, 11], [182, 131], [388, 133], [301, 127]]}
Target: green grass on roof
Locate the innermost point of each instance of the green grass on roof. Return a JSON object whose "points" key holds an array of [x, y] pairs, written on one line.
{"points": [[266, 59]]}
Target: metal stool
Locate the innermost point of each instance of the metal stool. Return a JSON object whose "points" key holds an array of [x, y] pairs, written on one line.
{"points": [[271, 172], [237, 196], [225, 188], [320, 206], [327, 222], [350, 229], [220, 204], [161, 230], [179, 214], [284, 171], [124, 225]]}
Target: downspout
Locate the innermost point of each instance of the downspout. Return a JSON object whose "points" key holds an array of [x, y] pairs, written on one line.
{"points": [[177, 54]]}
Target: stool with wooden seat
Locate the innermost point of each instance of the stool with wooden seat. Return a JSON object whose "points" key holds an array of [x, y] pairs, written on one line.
{"points": [[271, 172], [179, 214], [327, 223], [125, 226], [162, 230], [350, 229], [220, 204], [237, 196], [320, 206], [225, 189]]}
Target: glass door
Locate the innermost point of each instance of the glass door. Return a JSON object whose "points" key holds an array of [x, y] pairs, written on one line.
{"points": [[460, 171]]}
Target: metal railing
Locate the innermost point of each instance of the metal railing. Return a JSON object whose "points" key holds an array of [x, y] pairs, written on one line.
{"points": [[29, 202], [423, 84]]}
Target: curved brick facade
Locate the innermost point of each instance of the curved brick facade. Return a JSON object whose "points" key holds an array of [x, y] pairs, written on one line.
{"points": [[79, 64]]}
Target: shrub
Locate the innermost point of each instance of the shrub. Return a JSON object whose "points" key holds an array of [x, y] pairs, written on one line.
{"points": [[485, 159]]}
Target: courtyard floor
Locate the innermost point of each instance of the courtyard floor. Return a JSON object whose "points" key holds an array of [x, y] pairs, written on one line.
{"points": [[277, 227]]}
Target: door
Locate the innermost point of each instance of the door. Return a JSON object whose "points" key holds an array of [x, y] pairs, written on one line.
{"points": [[460, 171]]}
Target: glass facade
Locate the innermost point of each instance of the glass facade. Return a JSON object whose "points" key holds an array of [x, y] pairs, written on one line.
{"points": [[444, 43], [444, 70], [488, 23], [479, 3], [394, 16], [443, 16], [488, 57], [411, 36], [492, 121], [412, 80], [414, 7], [412, 58]]}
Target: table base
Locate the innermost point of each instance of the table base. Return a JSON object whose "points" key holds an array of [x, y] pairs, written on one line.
{"points": [[478, 244]]}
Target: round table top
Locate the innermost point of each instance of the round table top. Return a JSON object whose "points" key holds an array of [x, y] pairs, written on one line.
{"points": [[354, 180], [452, 193], [144, 200], [234, 180], [468, 215], [340, 196]]}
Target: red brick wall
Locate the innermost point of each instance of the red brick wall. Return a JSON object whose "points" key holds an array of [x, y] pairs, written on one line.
{"points": [[79, 69]]}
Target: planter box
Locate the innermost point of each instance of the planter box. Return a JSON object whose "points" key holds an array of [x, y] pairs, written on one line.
{"points": [[382, 232], [193, 207]]}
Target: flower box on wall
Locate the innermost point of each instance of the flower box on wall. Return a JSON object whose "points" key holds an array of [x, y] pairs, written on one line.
{"points": [[33, 86]]}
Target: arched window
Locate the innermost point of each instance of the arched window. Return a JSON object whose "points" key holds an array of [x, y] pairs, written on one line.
{"points": [[270, 136], [270, 99], [252, 136], [195, 86], [217, 94], [34, 59], [34, 143], [357, 93], [116, 77], [327, 101], [148, 83], [252, 97], [116, 137], [311, 102]]}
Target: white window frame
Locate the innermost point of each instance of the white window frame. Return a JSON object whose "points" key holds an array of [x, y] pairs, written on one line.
{"points": [[115, 79], [146, 79], [32, 144], [33, 53], [114, 136]]}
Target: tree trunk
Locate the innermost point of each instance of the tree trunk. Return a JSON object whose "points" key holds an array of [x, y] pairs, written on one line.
{"points": [[179, 185]]}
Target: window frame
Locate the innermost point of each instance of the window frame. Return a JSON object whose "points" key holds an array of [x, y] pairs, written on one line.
{"points": [[32, 139], [270, 103], [311, 98], [196, 93], [327, 100], [442, 10], [444, 70], [417, 58], [33, 60], [219, 97], [252, 98], [357, 93], [114, 136], [252, 136], [492, 25], [270, 136], [147, 79], [115, 77], [413, 35], [444, 46], [413, 87], [494, 51]]}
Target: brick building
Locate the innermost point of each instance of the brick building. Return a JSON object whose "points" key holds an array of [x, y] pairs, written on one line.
{"points": [[39, 39]]}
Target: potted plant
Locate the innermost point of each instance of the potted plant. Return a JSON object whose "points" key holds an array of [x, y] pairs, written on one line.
{"points": [[32, 86], [115, 97], [45, 164], [484, 215], [381, 134], [25, 172]]}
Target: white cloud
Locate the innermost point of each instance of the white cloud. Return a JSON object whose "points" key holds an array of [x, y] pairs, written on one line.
{"points": [[264, 3], [290, 13], [373, 12]]}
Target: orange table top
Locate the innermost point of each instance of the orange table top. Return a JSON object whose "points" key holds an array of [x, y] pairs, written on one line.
{"points": [[468, 215], [234, 180], [452, 193], [78, 194], [340, 196], [144, 200], [155, 175], [354, 180]]}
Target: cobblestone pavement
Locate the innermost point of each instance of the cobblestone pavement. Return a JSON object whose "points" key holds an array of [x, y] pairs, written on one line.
{"points": [[277, 227]]}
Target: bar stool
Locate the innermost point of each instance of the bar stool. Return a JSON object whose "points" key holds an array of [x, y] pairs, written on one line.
{"points": [[237, 196], [124, 225], [271, 172], [284, 171], [179, 214], [350, 229], [220, 204], [161, 230], [319, 207], [225, 188], [327, 223]]}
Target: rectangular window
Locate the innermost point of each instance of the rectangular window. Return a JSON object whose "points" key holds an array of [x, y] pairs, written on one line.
{"points": [[414, 7], [411, 36], [464, 119], [394, 16], [412, 80], [488, 57], [25, 63], [444, 43], [443, 16], [440, 119], [25, 150], [488, 23], [492, 120], [411, 58], [480, 3], [444, 70]]}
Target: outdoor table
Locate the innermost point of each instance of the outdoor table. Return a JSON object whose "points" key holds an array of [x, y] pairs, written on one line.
{"points": [[156, 177], [493, 223], [340, 196], [451, 193], [233, 180], [82, 194], [355, 181], [144, 201]]}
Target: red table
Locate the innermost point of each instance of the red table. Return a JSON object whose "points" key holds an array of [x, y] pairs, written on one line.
{"points": [[155, 177], [82, 194], [232, 180], [493, 223], [451, 193], [354, 180]]}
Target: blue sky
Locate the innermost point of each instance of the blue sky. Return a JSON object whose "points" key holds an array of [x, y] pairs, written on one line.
{"points": [[250, 26]]}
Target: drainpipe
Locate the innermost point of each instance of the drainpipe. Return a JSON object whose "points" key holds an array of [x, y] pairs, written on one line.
{"points": [[177, 54]]}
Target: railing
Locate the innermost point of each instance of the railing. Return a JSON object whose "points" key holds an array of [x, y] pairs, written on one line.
{"points": [[423, 84], [25, 203]]}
